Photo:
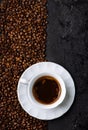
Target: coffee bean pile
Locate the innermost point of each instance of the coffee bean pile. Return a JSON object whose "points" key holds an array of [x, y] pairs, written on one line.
{"points": [[22, 43]]}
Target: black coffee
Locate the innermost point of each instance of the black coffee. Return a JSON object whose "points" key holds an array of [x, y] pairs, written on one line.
{"points": [[46, 90]]}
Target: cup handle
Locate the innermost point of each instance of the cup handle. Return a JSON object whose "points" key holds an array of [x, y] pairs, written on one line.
{"points": [[24, 81]]}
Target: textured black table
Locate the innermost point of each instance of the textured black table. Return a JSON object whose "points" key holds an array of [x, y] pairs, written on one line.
{"points": [[67, 45]]}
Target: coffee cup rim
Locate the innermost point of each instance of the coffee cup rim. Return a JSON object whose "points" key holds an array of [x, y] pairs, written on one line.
{"points": [[46, 106]]}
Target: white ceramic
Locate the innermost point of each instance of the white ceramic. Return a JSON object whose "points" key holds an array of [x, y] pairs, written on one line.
{"points": [[30, 87], [27, 102]]}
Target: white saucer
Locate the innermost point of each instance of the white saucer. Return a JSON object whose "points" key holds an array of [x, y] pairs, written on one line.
{"points": [[40, 113]]}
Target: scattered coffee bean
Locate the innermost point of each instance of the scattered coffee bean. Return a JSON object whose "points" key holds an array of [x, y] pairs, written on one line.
{"points": [[22, 43]]}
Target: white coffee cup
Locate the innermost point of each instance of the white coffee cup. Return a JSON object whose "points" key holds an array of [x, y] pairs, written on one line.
{"points": [[31, 97]]}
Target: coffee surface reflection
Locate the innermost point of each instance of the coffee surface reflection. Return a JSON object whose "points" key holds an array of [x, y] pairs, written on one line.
{"points": [[46, 90]]}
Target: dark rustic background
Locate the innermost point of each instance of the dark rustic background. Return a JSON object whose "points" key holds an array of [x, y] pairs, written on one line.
{"points": [[67, 44]]}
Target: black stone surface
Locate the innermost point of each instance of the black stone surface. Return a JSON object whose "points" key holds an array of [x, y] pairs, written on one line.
{"points": [[67, 45]]}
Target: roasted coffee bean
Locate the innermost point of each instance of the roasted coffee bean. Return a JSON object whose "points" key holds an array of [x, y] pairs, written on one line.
{"points": [[22, 43]]}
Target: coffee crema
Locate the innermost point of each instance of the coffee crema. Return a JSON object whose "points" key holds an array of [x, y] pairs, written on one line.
{"points": [[46, 90]]}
